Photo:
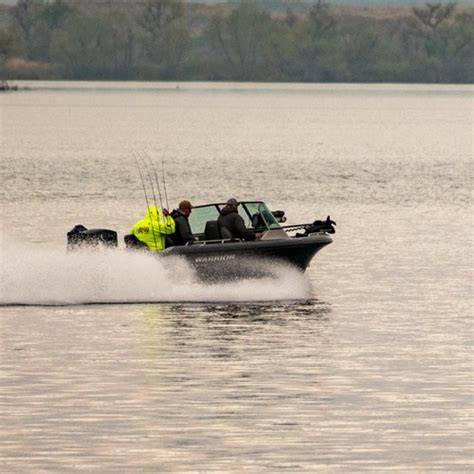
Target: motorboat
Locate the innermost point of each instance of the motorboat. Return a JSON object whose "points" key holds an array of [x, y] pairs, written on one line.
{"points": [[217, 256]]}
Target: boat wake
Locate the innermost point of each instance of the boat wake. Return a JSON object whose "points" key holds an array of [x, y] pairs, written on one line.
{"points": [[38, 275]]}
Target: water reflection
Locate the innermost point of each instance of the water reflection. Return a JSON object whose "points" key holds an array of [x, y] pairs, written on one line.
{"points": [[268, 312], [210, 375], [225, 331], [265, 312]]}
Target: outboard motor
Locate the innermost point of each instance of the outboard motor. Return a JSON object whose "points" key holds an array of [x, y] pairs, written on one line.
{"points": [[80, 237], [321, 226]]}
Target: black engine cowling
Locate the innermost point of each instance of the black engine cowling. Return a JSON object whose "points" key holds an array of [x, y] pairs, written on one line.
{"points": [[80, 237]]}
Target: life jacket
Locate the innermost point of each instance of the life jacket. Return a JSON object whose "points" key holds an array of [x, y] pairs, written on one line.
{"points": [[153, 228]]}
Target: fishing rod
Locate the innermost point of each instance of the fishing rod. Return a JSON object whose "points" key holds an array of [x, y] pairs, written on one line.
{"points": [[146, 197], [150, 178], [157, 181], [142, 179], [163, 175], [151, 166], [151, 184]]}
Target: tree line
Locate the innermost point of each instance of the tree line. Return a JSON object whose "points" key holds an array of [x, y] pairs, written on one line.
{"points": [[243, 41]]}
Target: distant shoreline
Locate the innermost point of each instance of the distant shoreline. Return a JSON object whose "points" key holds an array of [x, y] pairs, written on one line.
{"points": [[274, 42]]}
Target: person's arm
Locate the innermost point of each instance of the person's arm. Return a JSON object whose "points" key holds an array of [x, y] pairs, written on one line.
{"points": [[167, 225], [241, 230], [185, 231]]}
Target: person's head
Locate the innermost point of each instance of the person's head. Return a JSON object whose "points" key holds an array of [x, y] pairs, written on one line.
{"points": [[232, 203], [185, 207]]}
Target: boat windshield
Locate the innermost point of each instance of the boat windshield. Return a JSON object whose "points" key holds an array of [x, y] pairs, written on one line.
{"points": [[260, 216], [255, 214]]}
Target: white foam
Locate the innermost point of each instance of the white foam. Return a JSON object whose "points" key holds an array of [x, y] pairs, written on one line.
{"points": [[38, 275]]}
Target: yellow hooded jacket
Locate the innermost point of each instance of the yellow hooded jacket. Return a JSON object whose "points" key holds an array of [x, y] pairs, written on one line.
{"points": [[152, 229]]}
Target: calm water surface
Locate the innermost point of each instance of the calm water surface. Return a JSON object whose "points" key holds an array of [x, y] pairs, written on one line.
{"points": [[113, 363]]}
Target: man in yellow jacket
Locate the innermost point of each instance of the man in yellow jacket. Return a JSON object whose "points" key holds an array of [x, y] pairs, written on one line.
{"points": [[153, 228]]}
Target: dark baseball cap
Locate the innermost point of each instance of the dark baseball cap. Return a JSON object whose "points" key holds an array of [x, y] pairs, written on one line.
{"points": [[185, 205]]}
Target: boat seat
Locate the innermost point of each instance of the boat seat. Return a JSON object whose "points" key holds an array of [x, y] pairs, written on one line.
{"points": [[211, 231]]}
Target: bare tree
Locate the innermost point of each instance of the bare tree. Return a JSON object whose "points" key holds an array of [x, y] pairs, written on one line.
{"points": [[26, 14], [431, 17]]}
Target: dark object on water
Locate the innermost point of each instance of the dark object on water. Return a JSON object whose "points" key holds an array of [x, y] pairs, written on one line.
{"points": [[80, 237], [4, 86]]}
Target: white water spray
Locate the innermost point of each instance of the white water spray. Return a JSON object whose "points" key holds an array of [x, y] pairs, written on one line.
{"points": [[38, 275]]}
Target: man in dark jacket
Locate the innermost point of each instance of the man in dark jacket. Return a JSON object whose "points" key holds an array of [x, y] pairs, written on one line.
{"points": [[183, 233], [232, 224]]}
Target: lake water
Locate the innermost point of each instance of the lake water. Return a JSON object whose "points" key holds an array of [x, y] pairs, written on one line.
{"points": [[116, 363]]}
